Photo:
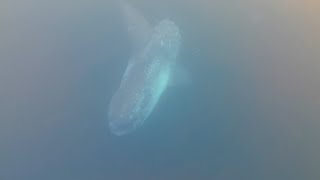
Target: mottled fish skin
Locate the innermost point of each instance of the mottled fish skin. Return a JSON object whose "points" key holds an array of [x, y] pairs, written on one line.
{"points": [[145, 79]]}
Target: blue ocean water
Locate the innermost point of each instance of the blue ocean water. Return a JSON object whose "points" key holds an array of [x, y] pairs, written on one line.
{"points": [[61, 62]]}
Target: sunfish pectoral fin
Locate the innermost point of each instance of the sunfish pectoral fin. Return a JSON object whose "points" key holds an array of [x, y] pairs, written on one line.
{"points": [[180, 76], [139, 29]]}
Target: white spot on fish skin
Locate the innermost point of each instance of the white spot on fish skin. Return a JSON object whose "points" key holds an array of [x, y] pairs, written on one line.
{"points": [[152, 68]]}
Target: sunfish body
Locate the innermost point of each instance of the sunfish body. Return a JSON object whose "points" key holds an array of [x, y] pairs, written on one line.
{"points": [[146, 77]]}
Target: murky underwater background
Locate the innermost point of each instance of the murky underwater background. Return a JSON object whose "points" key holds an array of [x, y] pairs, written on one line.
{"points": [[252, 111]]}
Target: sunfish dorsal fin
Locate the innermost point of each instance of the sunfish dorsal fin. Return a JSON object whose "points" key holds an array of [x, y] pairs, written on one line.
{"points": [[139, 28]]}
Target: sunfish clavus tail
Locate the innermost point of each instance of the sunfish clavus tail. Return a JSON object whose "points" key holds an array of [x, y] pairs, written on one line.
{"points": [[148, 72]]}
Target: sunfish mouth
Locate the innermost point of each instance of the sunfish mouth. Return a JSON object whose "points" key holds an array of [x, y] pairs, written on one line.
{"points": [[120, 129]]}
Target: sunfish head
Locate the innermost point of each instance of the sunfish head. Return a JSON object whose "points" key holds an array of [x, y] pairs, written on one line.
{"points": [[127, 110], [123, 125]]}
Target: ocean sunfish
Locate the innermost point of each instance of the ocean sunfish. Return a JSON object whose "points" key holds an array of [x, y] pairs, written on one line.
{"points": [[147, 75]]}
